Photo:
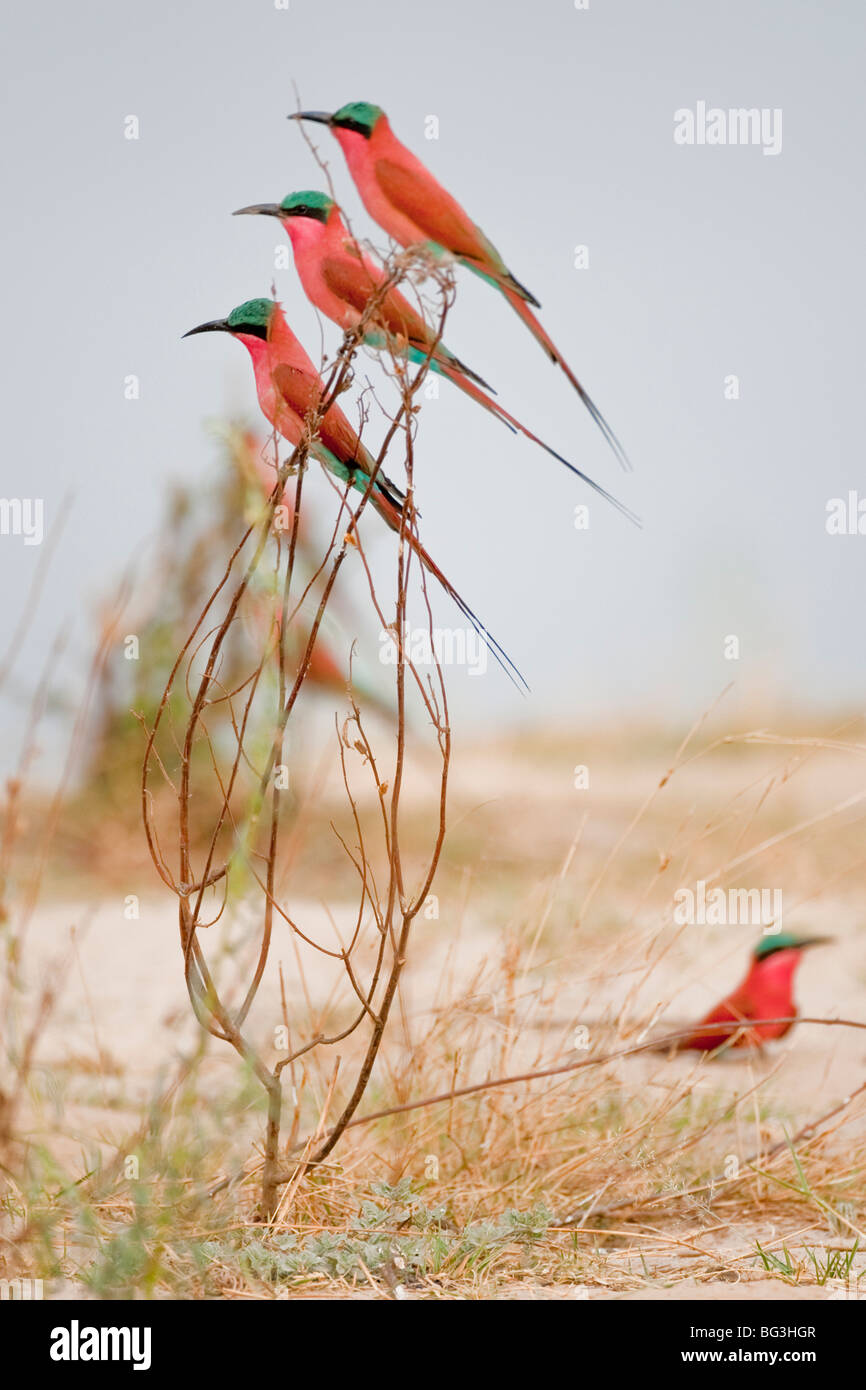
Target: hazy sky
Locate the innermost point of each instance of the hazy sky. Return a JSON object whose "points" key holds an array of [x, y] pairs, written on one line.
{"points": [[556, 129]]}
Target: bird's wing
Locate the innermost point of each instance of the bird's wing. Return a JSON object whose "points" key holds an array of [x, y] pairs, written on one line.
{"points": [[348, 277], [353, 279], [300, 390], [441, 218], [428, 205]]}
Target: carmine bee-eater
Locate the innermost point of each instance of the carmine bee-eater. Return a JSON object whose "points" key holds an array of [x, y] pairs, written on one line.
{"points": [[413, 208], [766, 992], [290, 391], [340, 279]]}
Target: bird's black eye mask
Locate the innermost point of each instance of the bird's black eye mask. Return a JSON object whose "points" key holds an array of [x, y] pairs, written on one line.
{"points": [[304, 210], [252, 330], [349, 123]]}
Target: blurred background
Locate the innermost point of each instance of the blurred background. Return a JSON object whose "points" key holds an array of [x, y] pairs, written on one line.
{"points": [[555, 131]]}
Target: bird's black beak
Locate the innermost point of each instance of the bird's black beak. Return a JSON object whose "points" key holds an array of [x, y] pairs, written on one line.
{"points": [[267, 209], [215, 326], [323, 117], [813, 941]]}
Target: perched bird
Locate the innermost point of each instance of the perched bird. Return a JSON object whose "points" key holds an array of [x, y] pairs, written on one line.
{"points": [[413, 208], [766, 992], [290, 392], [340, 279]]}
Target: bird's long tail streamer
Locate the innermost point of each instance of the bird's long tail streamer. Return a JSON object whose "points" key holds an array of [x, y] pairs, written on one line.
{"points": [[392, 516], [447, 369], [520, 306]]}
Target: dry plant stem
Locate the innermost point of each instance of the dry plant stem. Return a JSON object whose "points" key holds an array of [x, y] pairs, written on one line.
{"points": [[750, 1163], [395, 916], [409, 911], [669, 1040], [395, 888]]}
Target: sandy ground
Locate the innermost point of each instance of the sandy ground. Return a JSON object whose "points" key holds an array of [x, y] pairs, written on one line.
{"points": [[588, 980], [124, 996]]}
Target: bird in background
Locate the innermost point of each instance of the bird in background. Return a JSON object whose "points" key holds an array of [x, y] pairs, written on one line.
{"points": [[326, 671], [290, 391], [767, 992], [340, 279], [412, 207]]}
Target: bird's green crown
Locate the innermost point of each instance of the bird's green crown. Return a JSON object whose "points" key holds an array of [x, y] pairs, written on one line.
{"points": [[251, 317], [308, 203], [784, 941], [358, 115]]}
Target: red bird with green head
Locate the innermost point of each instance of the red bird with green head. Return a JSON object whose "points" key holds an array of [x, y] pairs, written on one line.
{"points": [[413, 208], [767, 992], [290, 392], [339, 279]]}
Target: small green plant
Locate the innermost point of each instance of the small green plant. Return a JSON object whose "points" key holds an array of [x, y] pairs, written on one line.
{"points": [[835, 1264], [397, 1236], [774, 1265]]}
